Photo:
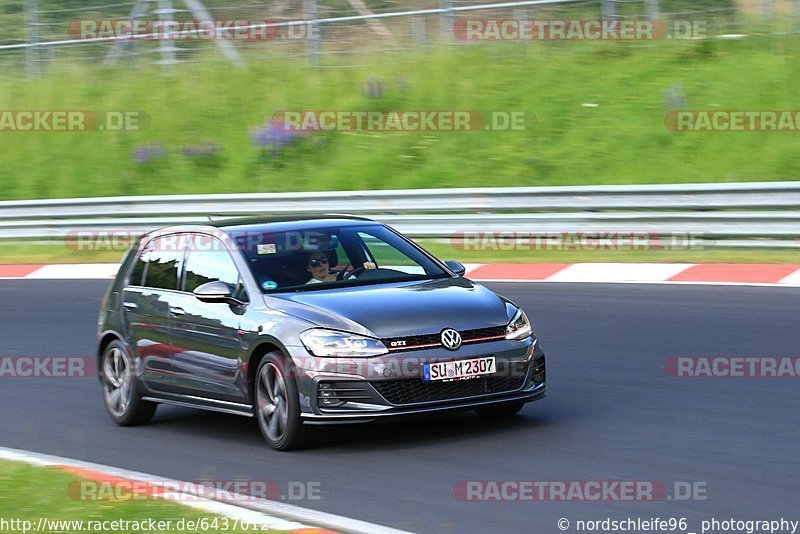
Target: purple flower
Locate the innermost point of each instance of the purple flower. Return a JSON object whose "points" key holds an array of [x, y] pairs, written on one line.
{"points": [[674, 98], [373, 89], [147, 153], [270, 136], [273, 135]]}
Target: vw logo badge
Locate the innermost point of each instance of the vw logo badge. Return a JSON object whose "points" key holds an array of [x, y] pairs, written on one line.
{"points": [[451, 339]]}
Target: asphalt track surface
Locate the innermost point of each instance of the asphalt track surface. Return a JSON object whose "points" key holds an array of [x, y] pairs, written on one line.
{"points": [[612, 413]]}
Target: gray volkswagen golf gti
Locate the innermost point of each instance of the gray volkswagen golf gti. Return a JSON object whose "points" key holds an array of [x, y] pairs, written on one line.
{"points": [[307, 321]]}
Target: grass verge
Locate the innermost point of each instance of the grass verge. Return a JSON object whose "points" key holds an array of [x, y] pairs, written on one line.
{"points": [[599, 112], [30, 493], [19, 254]]}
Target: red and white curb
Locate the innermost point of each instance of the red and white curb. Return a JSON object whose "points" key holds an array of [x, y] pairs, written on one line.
{"points": [[248, 510], [642, 273], [626, 273]]}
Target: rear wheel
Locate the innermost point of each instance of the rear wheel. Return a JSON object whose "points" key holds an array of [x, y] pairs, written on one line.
{"points": [[498, 411], [120, 388], [277, 404]]}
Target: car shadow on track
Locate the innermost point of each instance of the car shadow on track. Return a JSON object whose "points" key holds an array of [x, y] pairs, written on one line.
{"points": [[401, 433], [427, 431]]}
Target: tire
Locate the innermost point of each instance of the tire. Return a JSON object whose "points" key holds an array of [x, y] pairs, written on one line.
{"points": [[502, 410], [120, 388], [277, 404]]}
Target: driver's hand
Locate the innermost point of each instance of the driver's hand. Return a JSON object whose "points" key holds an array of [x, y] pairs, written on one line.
{"points": [[369, 265]]}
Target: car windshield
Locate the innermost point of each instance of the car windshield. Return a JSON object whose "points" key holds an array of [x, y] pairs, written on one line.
{"points": [[312, 259]]}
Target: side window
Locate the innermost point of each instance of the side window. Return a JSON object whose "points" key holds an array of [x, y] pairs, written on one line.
{"points": [[138, 270], [388, 257], [209, 261], [161, 262]]}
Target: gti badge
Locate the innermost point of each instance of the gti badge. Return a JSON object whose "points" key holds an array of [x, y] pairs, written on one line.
{"points": [[451, 339]]}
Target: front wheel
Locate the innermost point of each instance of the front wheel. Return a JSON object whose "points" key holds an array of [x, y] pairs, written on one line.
{"points": [[120, 388], [277, 404], [499, 411]]}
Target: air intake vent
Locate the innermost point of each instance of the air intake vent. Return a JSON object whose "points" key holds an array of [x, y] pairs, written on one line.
{"points": [[413, 391]]}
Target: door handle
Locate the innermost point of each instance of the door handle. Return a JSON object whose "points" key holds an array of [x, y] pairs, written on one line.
{"points": [[130, 306], [176, 311]]}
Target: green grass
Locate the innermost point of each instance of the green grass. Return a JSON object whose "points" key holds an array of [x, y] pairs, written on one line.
{"points": [[30, 493], [781, 256], [16, 254], [621, 140]]}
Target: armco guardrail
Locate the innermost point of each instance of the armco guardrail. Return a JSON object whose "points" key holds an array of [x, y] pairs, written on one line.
{"points": [[763, 214]]}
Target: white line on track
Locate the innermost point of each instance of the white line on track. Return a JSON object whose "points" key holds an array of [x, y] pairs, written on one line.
{"points": [[274, 515]]}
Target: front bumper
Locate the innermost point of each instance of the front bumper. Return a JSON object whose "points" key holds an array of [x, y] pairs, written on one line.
{"points": [[392, 385], [345, 418]]}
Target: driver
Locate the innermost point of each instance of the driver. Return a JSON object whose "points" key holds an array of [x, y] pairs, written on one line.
{"points": [[319, 268], [320, 271]]}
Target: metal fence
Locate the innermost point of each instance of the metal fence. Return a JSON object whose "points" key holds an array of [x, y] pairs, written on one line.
{"points": [[757, 215], [325, 28]]}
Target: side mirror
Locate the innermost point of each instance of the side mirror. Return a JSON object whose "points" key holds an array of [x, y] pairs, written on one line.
{"points": [[213, 292], [456, 267]]}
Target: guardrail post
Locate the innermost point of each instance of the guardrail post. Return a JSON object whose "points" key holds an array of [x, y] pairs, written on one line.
{"points": [[32, 54], [651, 9], [766, 10], [419, 32], [447, 19], [311, 12], [795, 15], [609, 9], [225, 47], [166, 14]]}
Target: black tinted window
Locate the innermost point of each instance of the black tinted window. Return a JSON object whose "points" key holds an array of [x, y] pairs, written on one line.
{"points": [[162, 260], [138, 270], [209, 261]]}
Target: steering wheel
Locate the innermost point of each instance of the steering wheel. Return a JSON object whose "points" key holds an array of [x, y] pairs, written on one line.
{"points": [[345, 274], [340, 274]]}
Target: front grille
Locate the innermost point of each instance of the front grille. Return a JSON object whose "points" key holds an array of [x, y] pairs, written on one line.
{"points": [[412, 391], [435, 340]]}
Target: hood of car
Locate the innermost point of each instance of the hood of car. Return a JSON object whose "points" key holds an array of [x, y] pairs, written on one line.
{"points": [[401, 309]]}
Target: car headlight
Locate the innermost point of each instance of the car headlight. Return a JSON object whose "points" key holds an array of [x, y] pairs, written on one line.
{"points": [[519, 327], [321, 342]]}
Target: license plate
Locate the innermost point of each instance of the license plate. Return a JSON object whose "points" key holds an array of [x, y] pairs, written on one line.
{"points": [[459, 369]]}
